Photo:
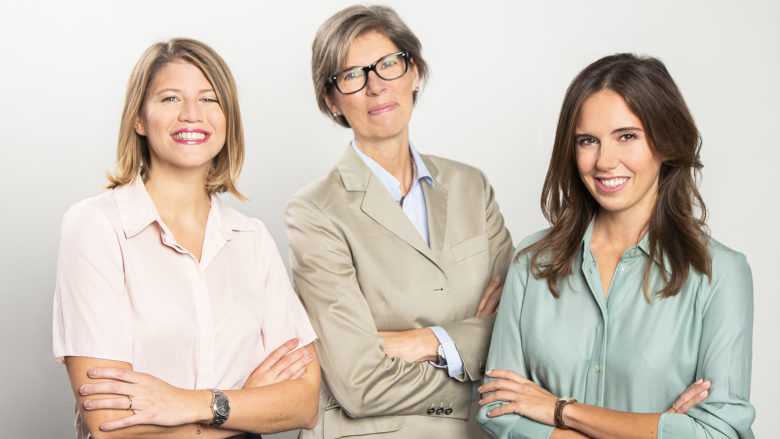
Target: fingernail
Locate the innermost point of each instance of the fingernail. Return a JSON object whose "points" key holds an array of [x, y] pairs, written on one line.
{"points": [[91, 373], [707, 384], [496, 279], [699, 381], [102, 428], [87, 404], [704, 393], [83, 389]]}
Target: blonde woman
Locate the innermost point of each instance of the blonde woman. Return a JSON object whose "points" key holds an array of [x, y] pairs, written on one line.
{"points": [[173, 312]]}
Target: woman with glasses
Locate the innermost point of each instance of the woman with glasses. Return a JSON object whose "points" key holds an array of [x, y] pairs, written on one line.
{"points": [[626, 300], [173, 312], [392, 251]]}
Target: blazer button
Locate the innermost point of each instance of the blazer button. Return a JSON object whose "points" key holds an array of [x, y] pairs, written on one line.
{"points": [[431, 410], [439, 411], [448, 411]]}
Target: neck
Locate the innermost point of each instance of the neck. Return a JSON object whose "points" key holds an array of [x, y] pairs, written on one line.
{"points": [[393, 155], [178, 195], [620, 230]]}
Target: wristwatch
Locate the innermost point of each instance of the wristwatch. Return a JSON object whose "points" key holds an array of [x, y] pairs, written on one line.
{"points": [[220, 406], [442, 356], [559, 405]]}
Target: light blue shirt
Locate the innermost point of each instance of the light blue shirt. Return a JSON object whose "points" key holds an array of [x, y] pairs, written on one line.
{"points": [[620, 352], [413, 205]]}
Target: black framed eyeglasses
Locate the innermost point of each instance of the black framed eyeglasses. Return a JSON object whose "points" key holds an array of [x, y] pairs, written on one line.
{"points": [[388, 67]]}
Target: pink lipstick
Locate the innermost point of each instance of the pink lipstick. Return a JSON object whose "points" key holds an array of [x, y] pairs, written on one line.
{"points": [[610, 185], [191, 136]]}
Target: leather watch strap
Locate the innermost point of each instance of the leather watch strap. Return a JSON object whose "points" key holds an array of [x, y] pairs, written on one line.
{"points": [[559, 405]]}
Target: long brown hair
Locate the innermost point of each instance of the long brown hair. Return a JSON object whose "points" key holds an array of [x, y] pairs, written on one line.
{"points": [[675, 232], [133, 149]]}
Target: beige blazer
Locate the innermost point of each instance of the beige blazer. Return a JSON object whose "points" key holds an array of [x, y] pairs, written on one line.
{"points": [[360, 266]]}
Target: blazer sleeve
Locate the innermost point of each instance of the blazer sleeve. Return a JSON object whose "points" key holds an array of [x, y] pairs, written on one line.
{"points": [[472, 336], [506, 352], [725, 356], [364, 380]]}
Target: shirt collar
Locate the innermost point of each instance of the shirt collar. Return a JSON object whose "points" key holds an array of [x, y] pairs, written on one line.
{"points": [[137, 211], [644, 245], [387, 179]]}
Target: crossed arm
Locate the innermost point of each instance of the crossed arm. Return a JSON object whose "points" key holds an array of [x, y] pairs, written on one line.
{"points": [[723, 358], [281, 394]]}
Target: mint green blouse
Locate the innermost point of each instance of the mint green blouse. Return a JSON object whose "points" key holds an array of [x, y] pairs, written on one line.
{"points": [[623, 353]]}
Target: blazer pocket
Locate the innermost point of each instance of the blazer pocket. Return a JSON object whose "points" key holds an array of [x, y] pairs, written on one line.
{"points": [[470, 247], [336, 424]]}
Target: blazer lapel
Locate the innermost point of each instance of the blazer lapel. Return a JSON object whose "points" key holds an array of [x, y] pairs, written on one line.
{"points": [[436, 205], [379, 205]]}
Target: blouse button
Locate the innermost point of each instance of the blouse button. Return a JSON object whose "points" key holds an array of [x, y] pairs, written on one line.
{"points": [[632, 253], [596, 368]]}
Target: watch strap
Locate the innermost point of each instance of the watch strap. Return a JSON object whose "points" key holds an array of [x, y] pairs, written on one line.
{"points": [[559, 405]]}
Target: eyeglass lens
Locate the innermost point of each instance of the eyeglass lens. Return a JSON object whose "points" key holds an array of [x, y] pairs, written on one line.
{"points": [[390, 67]]}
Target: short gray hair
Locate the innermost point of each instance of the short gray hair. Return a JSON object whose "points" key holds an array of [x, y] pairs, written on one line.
{"points": [[336, 34]]}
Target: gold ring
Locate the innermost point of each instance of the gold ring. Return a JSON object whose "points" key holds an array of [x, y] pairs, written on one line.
{"points": [[673, 408], [131, 402]]}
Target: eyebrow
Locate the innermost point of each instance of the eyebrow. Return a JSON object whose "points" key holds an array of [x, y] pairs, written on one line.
{"points": [[615, 131], [624, 129], [176, 90]]}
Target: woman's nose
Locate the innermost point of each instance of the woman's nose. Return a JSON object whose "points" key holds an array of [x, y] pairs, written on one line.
{"points": [[190, 111]]}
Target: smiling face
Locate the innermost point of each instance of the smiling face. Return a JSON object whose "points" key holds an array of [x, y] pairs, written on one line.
{"points": [[382, 109], [181, 118], [614, 158]]}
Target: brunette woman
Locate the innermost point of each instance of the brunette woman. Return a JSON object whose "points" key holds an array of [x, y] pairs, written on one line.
{"points": [[612, 312]]}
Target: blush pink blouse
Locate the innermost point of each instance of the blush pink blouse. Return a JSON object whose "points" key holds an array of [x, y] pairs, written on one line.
{"points": [[126, 291]]}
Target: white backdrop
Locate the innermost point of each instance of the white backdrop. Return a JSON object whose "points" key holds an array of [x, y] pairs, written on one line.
{"points": [[499, 72]]}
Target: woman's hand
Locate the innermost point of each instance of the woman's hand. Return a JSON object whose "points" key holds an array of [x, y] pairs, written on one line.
{"points": [[414, 345], [152, 400], [490, 297], [281, 365], [524, 397], [694, 394]]}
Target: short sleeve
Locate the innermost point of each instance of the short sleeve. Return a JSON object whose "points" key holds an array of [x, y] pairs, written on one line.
{"points": [[91, 311], [284, 315]]}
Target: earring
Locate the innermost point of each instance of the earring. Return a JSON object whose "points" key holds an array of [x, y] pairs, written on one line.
{"points": [[335, 115]]}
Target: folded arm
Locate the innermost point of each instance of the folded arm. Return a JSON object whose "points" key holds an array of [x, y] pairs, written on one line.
{"points": [[105, 390], [364, 380]]}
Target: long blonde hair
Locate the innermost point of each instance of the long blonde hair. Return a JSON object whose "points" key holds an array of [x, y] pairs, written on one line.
{"points": [[133, 149]]}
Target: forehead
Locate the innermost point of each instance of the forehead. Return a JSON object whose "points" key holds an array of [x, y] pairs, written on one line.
{"points": [[179, 74], [367, 48], [606, 110]]}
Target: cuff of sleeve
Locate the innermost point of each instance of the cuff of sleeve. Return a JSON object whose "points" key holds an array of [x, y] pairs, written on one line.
{"points": [[454, 362]]}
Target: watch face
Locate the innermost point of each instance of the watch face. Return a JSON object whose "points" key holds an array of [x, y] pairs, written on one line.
{"points": [[222, 406]]}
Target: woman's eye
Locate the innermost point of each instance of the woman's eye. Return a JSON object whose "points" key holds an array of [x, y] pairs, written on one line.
{"points": [[211, 100], [388, 63], [353, 74], [169, 99], [585, 141], [628, 136]]}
